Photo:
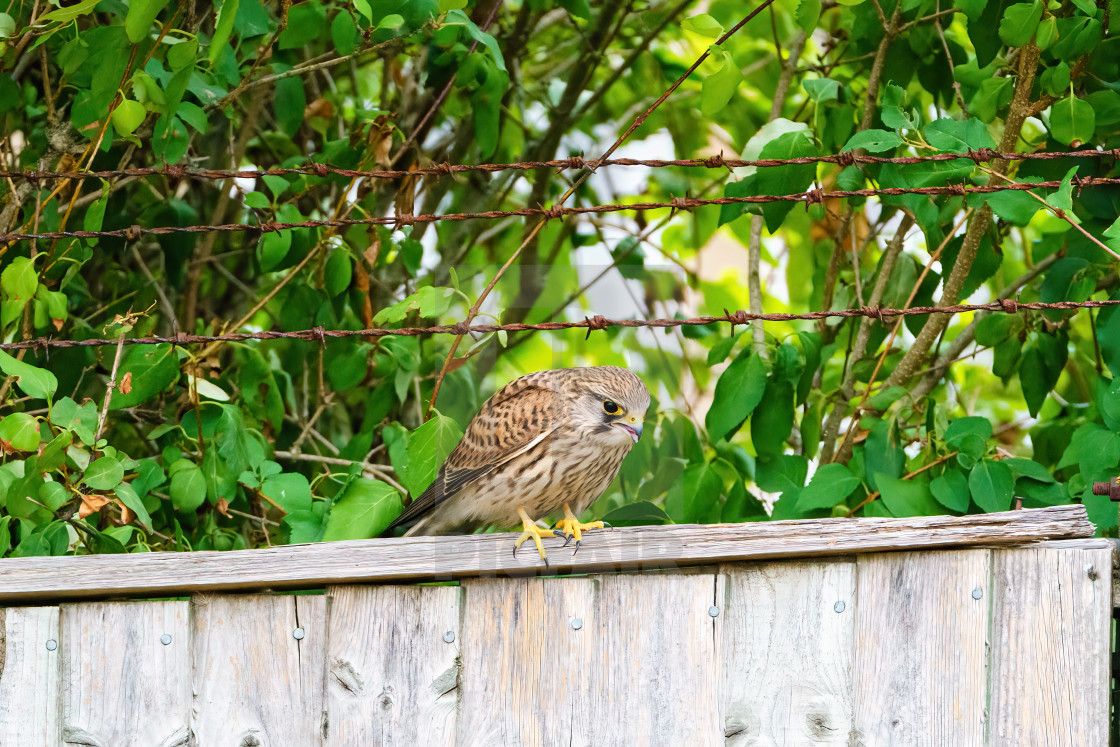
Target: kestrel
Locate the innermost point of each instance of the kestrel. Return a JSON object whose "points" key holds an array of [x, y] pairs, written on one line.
{"points": [[550, 439]]}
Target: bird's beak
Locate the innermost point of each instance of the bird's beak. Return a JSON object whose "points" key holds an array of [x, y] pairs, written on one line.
{"points": [[633, 426]]}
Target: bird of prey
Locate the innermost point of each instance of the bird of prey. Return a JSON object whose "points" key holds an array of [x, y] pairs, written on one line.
{"points": [[547, 440]]}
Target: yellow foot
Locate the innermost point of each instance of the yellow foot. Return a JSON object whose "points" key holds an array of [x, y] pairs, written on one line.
{"points": [[572, 528], [532, 530]]}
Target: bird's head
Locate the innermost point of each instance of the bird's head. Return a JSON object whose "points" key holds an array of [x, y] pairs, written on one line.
{"points": [[610, 402]]}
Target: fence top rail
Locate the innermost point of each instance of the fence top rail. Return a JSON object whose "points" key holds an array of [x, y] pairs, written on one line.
{"points": [[416, 559]]}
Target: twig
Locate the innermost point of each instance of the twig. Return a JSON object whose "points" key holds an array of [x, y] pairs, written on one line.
{"points": [[109, 389]]}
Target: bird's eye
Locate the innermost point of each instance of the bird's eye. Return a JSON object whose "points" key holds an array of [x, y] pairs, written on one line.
{"points": [[610, 407]]}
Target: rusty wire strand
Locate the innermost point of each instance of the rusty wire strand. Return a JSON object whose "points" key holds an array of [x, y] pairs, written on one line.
{"points": [[810, 197], [321, 335], [848, 158]]}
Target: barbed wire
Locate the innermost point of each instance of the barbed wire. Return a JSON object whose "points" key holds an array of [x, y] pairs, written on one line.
{"points": [[594, 323], [847, 158], [810, 197]]}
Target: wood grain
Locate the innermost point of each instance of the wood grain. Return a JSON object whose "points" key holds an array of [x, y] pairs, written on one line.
{"points": [[121, 685], [527, 670], [655, 665], [29, 677], [921, 660], [787, 649], [444, 558], [392, 676], [254, 682], [1050, 643]]}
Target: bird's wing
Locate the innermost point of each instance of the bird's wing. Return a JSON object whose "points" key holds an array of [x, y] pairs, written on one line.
{"points": [[517, 418]]}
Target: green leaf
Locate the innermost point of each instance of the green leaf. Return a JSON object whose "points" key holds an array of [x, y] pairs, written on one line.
{"points": [[153, 367], [69, 13], [130, 498], [822, 89], [127, 116], [139, 19], [54, 453], [188, 486], [35, 382], [1028, 468], [992, 485], [1072, 120], [639, 513], [391, 21], [830, 486], [738, 391], [808, 13], [971, 426], [82, 420], [223, 27], [995, 328], [694, 494], [182, 54], [20, 431], [7, 30], [304, 526], [428, 446], [1019, 23], [431, 302], [956, 136], [704, 25], [1046, 32], [458, 17], [290, 491], [363, 510], [104, 474], [19, 281], [873, 141], [951, 491], [772, 420], [906, 497], [720, 84], [337, 271], [893, 114]]}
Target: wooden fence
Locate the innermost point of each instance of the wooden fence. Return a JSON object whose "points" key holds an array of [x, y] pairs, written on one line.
{"points": [[940, 630]]}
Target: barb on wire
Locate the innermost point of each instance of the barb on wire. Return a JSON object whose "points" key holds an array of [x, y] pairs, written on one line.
{"points": [[320, 335], [811, 197], [847, 158]]}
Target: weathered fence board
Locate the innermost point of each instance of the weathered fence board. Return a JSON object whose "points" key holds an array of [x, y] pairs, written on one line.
{"points": [[392, 676], [885, 648], [29, 676], [23, 580], [255, 682], [1050, 641], [525, 676], [921, 626], [788, 638], [122, 685], [665, 687]]}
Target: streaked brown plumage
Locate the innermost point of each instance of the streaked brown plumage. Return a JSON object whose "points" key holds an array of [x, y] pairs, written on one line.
{"points": [[549, 440]]}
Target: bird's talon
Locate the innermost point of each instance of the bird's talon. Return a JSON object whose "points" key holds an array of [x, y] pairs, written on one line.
{"points": [[575, 550]]}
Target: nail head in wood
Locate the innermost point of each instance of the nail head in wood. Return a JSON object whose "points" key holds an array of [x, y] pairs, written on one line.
{"points": [[713, 611], [52, 644], [298, 634], [839, 607], [165, 639], [449, 636], [977, 593], [577, 623]]}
